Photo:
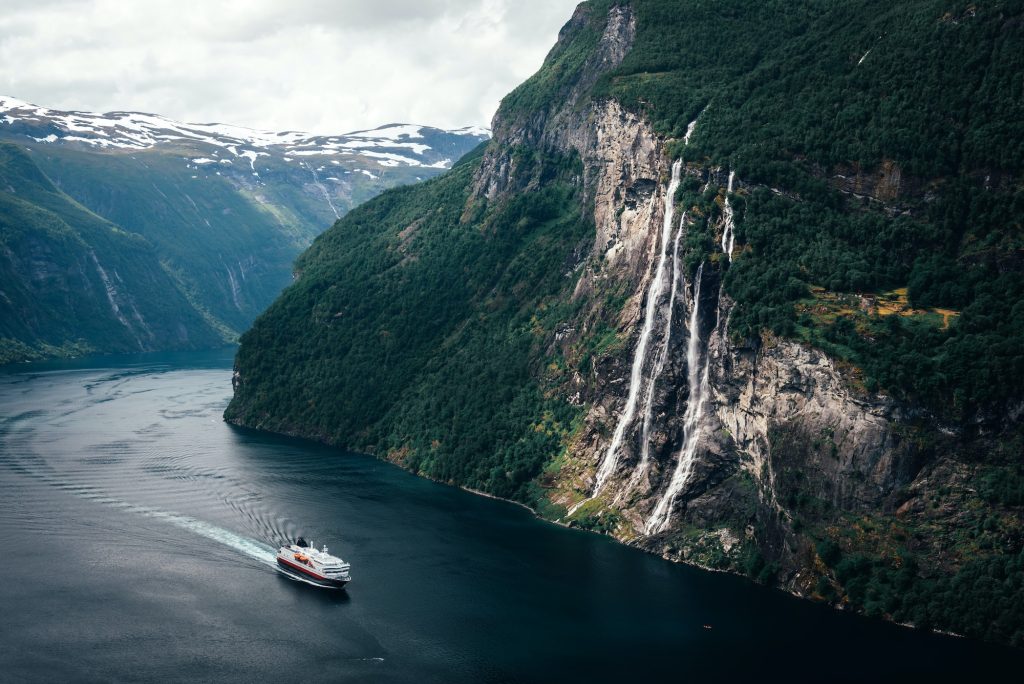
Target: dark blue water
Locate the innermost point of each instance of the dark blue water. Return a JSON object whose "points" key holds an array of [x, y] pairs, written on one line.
{"points": [[138, 530]]}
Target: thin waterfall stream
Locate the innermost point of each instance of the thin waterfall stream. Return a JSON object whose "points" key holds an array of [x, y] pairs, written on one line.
{"points": [[697, 379], [729, 231]]}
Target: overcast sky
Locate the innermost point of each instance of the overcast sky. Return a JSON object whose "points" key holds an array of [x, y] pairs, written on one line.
{"points": [[323, 66]]}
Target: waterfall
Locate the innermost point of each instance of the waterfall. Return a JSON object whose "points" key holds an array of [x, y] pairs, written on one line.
{"points": [[640, 355], [729, 232], [113, 295], [323, 188], [689, 131], [690, 127], [645, 444], [697, 379], [645, 434], [234, 287]]}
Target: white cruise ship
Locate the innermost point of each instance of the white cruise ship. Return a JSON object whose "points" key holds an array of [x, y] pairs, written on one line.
{"points": [[319, 567]]}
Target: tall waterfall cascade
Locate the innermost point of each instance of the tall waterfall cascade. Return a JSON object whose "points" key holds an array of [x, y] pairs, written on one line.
{"points": [[668, 279], [697, 365], [667, 269], [636, 378], [659, 365]]}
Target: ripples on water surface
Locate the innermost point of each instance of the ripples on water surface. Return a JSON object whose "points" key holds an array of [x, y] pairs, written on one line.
{"points": [[139, 532]]}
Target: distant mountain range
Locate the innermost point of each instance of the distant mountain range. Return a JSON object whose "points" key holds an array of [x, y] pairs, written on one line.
{"points": [[371, 152], [223, 210]]}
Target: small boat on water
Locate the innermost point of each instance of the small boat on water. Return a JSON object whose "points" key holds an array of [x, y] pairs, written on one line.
{"points": [[318, 567]]}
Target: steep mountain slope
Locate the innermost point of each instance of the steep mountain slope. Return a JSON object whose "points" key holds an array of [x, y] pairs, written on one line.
{"points": [[741, 285], [226, 208], [71, 282]]}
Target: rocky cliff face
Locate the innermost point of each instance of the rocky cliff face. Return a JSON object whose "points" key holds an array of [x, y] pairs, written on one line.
{"points": [[722, 442]]}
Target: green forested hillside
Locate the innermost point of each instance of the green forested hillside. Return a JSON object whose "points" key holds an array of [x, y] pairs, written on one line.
{"points": [[73, 283], [877, 148], [388, 358]]}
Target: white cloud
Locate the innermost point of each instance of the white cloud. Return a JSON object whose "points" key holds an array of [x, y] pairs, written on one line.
{"points": [[324, 66]]}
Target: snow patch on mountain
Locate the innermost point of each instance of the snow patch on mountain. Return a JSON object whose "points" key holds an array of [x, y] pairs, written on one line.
{"points": [[387, 146], [389, 132]]}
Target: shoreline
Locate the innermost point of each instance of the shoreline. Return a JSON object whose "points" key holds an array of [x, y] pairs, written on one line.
{"points": [[631, 544], [700, 566]]}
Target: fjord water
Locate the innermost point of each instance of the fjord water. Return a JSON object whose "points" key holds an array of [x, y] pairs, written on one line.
{"points": [[138, 532]]}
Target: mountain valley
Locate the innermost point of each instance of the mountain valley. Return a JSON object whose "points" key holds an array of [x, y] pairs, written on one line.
{"points": [[221, 212]]}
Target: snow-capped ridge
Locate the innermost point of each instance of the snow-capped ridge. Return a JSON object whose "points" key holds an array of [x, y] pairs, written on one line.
{"points": [[388, 145]]}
